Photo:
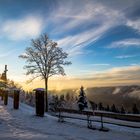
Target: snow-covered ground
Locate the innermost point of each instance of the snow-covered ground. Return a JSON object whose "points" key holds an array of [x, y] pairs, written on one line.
{"points": [[22, 124]]}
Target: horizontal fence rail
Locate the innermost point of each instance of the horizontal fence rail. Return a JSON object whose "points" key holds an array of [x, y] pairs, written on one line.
{"points": [[125, 117]]}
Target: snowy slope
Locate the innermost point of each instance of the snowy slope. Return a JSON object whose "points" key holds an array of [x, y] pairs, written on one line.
{"points": [[22, 124]]}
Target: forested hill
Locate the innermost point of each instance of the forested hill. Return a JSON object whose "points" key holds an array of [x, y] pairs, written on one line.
{"points": [[120, 95]]}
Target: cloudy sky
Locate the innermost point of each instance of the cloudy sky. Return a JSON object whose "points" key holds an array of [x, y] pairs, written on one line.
{"points": [[102, 38]]}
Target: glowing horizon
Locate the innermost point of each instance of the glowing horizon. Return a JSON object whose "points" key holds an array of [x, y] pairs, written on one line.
{"points": [[112, 77]]}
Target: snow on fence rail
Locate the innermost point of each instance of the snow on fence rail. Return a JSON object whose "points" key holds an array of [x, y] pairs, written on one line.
{"points": [[109, 118], [126, 117], [86, 113]]}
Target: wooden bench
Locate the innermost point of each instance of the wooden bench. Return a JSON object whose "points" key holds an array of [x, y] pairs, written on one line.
{"points": [[88, 115]]}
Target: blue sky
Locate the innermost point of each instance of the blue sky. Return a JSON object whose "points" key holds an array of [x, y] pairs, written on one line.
{"points": [[101, 37]]}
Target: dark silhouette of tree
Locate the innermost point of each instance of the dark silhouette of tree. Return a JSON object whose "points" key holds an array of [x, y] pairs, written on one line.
{"points": [[82, 103], [122, 110], [72, 98], [107, 108], [13, 84], [113, 108], [62, 99], [54, 104], [93, 105], [67, 96], [135, 109], [44, 59], [100, 106]]}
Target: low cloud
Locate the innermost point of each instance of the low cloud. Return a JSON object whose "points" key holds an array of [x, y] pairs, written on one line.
{"points": [[128, 75], [126, 72], [135, 93]]}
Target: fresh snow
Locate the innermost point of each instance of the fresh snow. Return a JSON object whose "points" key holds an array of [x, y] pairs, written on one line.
{"points": [[22, 124], [116, 91]]}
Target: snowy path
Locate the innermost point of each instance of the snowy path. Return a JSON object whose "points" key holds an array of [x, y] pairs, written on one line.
{"points": [[23, 125]]}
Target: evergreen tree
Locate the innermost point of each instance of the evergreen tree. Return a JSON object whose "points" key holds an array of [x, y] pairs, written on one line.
{"points": [[54, 104], [122, 110], [135, 109], [113, 108], [100, 106], [93, 105], [62, 97], [107, 108], [62, 101], [67, 96], [82, 103]]}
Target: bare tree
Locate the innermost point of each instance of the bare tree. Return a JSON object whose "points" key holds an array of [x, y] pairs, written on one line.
{"points": [[44, 59]]}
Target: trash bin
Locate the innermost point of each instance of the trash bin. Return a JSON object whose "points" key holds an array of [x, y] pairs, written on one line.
{"points": [[5, 94], [39, 101], [16, 98]]}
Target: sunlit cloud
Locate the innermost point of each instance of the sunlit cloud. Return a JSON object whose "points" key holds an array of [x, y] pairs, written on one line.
{"points": [[75, 44], [125, 43], [103, 64], [18, 29], [134, 24], [72, 18], [103, 19], [135, 64], [119, 73], [125, 56]]}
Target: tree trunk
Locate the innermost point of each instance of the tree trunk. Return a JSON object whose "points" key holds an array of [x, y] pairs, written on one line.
{"points": [[46, 94]]}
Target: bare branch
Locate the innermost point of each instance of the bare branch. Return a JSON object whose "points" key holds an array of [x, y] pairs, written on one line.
{"points": [[44, 58]]}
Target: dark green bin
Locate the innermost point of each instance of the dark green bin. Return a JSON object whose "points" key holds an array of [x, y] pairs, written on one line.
{"points": [[39, 101]]}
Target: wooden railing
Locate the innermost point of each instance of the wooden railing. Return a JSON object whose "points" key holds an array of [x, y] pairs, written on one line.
{"points": [[127, 117], [88, 114]]}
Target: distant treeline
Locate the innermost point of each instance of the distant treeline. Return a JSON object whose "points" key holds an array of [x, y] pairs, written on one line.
{"points": [[113, 108]]}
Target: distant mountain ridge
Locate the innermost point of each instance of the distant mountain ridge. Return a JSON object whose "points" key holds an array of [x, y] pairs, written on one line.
{"points": [[118, 95]]}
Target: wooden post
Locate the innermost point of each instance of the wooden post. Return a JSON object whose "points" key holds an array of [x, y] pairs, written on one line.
{"points": [[102, 126], [102, 122], [5, 97], [16, 99]]}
